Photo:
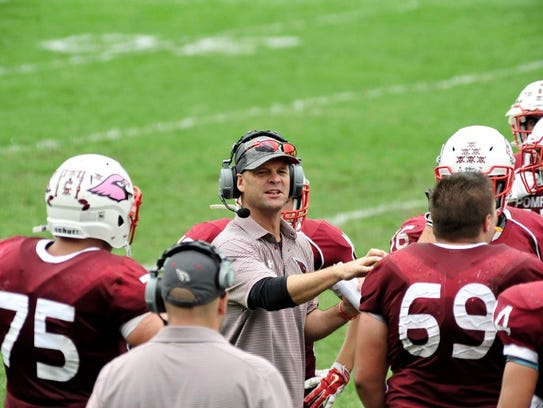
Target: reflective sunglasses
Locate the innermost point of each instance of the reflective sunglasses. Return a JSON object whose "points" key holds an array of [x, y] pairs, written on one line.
{"points": [[270, 146]]}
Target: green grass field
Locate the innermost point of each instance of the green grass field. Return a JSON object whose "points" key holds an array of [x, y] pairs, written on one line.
{"points": [[367, 90]]}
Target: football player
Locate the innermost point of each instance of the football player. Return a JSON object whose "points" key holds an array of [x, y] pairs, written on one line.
{"points": [[517, 316], [525, 112], [427, 308], [486, 150], [527, 192], [69, 305]]}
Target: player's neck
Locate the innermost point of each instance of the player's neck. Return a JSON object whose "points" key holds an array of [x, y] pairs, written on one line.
{"points": [[66, 246]]}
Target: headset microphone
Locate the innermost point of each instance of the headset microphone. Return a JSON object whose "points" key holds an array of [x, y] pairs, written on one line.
{"points": [[242, 212]]}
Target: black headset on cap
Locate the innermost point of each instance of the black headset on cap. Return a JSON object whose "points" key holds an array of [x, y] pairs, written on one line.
{"points": [[228, 175], [153, 290]]}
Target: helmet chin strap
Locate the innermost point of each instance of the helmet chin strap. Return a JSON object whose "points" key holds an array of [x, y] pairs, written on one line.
{"points": [[128, 250]]}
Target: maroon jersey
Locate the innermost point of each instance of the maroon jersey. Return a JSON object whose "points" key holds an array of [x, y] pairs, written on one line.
{"points": [[437, 302], [523, 230], [205, 231], [60, 319], [518, 316], [329, 244]]}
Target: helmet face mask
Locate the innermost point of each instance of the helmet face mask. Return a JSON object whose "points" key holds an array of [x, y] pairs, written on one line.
{"points": [[92, 196], [526, 111], [483, 149], [296, 217], [531, 172]]}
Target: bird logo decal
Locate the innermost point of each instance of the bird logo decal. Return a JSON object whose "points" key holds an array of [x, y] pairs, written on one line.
{"points": [[114, 187]]}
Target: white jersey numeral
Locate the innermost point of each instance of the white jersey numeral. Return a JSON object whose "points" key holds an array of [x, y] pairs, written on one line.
{"points": [[42, 339], [464, 320], [401, 238]]}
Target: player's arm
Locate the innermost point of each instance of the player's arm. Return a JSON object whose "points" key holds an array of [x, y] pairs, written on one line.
{"points": [[370, 364], [320, 323], [141, 329], [518, 385]]}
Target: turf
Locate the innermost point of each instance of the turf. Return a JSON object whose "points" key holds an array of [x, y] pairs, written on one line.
{"points": [[368, 91]]}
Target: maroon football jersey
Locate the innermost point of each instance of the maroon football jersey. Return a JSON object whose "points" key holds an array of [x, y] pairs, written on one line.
{"points": [[329, 244], [205, 231], [523, 230], [518, 315], [437, 303], [60, 319]]}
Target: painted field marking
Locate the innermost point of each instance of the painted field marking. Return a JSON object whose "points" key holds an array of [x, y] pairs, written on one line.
{"points": [[298, 105], [142, 43], [342, 218]]}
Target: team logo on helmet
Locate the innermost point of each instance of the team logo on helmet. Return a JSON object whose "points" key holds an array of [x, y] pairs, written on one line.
{"points": [[114, 187], [470, 155]]}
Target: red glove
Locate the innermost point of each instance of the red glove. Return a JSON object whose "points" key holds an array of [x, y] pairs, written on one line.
{"points": [[329, 387]]}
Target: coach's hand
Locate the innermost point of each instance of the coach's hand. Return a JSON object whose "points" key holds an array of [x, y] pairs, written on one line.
{"points": [[361, 266]]}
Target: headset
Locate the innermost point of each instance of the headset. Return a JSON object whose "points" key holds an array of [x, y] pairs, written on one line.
{"points": [[153, 290], [228, 176]]}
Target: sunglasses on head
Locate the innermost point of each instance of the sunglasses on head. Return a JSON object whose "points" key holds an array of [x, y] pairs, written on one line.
{"points": [[271, 146]]}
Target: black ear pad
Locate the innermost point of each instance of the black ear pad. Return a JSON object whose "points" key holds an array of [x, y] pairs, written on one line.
{"points": [[296, 181], [228, 183], [153, 290]]}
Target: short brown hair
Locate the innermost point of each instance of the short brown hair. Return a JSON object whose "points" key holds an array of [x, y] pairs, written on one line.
{"points": [[460, 203]]}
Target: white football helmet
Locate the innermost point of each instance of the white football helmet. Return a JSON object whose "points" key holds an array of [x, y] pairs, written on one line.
{"points": [[480, 148], [531, 172], [92, 196], [300, 206], [526, 111]]}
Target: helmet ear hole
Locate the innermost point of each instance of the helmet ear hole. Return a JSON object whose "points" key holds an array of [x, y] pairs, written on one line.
{"points": [[120, 221]]}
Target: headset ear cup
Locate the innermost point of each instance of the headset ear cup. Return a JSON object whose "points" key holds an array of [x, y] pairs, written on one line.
{"points": [[296, 181], [227, 183], [153, 295]]}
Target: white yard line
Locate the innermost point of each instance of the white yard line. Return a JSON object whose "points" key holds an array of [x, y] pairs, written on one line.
{"points": [[342, 218], [178, 46], [297, 105]]}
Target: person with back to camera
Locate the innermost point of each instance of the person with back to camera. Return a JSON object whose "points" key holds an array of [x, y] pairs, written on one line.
{"points": [[518, 316], [485, 149], [188, 363], [69, 305], [272, 310], [330, 245], [427, 309]]}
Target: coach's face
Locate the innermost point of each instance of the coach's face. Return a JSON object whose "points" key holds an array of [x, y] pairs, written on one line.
{"points": [[266, 187]]}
